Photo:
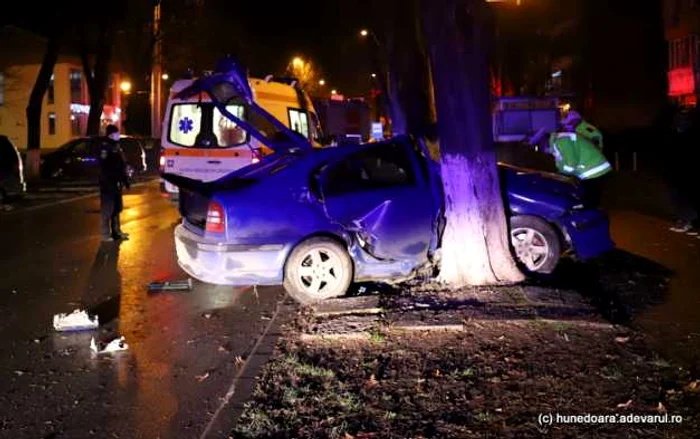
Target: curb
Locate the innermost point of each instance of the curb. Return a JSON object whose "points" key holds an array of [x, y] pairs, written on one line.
{"points": [[233, 402]]}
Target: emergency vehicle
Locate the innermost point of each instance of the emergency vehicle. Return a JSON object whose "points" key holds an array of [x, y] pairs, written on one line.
{"points": [[200, 143]]}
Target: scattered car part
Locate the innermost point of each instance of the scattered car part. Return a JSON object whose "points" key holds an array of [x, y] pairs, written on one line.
{"points": [[76, 321], [116, 345], [177, 285]]}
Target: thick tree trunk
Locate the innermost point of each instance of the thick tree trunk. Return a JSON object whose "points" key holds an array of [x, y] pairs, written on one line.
{"points": [[475, 248], [97, 79], [34, 106]]}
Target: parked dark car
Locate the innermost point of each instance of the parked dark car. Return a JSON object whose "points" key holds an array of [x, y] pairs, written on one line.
{"points": [[11, 171], [77, 159]]}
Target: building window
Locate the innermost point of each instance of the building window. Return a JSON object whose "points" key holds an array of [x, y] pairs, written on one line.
{"points": [[76, 86], [52, 123], [50, 91], [2, 89]]}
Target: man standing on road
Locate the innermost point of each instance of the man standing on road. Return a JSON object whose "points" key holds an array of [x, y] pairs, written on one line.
{"points": [[113, 177]]}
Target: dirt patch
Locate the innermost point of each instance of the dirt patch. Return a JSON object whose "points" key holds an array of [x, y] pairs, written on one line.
{"points": [[492, 380]]}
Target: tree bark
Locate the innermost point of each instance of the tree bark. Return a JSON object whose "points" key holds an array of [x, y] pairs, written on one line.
{"points": [[34, 106], [97, 78], [475, 245]]}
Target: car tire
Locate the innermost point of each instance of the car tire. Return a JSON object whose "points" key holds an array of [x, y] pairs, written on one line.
{"points": [[536, 244], [317, 269]]}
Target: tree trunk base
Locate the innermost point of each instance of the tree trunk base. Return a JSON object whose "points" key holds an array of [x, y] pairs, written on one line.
{"points": [[475, 248], [32, 165]]}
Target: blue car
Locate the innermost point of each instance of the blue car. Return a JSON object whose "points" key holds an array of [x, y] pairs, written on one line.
{"points": [[318, 220]]}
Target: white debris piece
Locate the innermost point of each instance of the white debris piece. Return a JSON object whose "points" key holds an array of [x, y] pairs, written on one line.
{"points": [[76, 321], [116, 345]]}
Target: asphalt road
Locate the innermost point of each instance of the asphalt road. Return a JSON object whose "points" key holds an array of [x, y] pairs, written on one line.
{"points": [[185, 348], [673, 323]]}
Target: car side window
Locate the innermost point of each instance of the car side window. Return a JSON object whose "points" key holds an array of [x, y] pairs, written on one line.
{"points": [[379, 167], [81, 149]]}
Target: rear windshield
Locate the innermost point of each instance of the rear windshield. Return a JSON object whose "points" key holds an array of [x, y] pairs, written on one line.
{"points": [[201, 125]]}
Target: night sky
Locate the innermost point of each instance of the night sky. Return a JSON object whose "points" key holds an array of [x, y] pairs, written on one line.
{"points": [[265, 35]]}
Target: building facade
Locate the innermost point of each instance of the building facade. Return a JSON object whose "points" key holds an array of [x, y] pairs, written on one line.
{"points": [[66, 103], [681, 30]]}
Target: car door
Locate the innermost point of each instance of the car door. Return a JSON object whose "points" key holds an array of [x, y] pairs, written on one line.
{"points": [[79, 160], [378, 194]]}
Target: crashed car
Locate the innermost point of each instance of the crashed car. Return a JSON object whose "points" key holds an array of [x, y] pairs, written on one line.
{"points": [[318, 220]]}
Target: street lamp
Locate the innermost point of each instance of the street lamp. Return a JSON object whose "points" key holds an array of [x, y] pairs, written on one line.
{"points": [[374, 75], [364, 32], [297, 63], [334, 92], [165, 76], [125, 86], [322, 82]]}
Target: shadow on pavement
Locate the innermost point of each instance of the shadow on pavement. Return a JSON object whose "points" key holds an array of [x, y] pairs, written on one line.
{"points": [[620, 284], [106, 279]]}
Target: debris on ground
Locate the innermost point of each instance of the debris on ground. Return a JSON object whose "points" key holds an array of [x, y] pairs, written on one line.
{"points": [[176, 285], [116, 345], [201, 378], [78, 320], [625, 405]]}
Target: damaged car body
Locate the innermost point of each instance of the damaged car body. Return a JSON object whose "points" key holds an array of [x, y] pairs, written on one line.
{"points": [[318, 220]]}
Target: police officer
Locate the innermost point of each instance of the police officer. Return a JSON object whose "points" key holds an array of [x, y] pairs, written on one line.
{"points": [[574, 122], [576, 155], [113, 177]]}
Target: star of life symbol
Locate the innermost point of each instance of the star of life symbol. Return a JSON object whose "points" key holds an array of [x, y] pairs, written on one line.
{"points": [[186, 125]]}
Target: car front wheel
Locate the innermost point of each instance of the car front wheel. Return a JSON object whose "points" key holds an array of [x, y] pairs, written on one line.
{"points": [[317, 269], [535, 243]]}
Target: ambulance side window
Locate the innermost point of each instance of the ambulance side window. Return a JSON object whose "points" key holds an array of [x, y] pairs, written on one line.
{"points": [[299, 121], [185, 124], [227, 132]]}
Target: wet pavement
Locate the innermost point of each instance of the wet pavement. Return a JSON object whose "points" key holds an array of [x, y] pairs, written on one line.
{"points": [[185, 348], [673, 322]]}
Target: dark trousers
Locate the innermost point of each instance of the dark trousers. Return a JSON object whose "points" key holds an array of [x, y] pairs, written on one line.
{"points": [[593, 190], [111, 205]]}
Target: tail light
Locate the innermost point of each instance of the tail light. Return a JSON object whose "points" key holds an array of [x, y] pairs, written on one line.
{"points": [[161, 162], [215, 218]]}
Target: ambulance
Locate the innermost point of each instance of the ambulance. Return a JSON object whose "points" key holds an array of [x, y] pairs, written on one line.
{"points": [[200, 143]]}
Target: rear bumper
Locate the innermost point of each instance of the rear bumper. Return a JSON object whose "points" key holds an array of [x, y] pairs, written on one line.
{"points": [[588, 232], [223, 264], [13, 186]]}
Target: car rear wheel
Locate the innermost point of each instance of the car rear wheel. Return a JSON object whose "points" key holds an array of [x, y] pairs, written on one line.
{"points": [[536, 244], [317, 269]]}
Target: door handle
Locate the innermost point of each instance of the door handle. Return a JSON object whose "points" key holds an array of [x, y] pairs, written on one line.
{"points": [[214, 162]]}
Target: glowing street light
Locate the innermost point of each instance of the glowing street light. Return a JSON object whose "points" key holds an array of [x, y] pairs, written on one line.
{"points": [[322, 82], [374, 75], [334, 92], [364, 32], [165, 76], [125, 86], [298, 63]]}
